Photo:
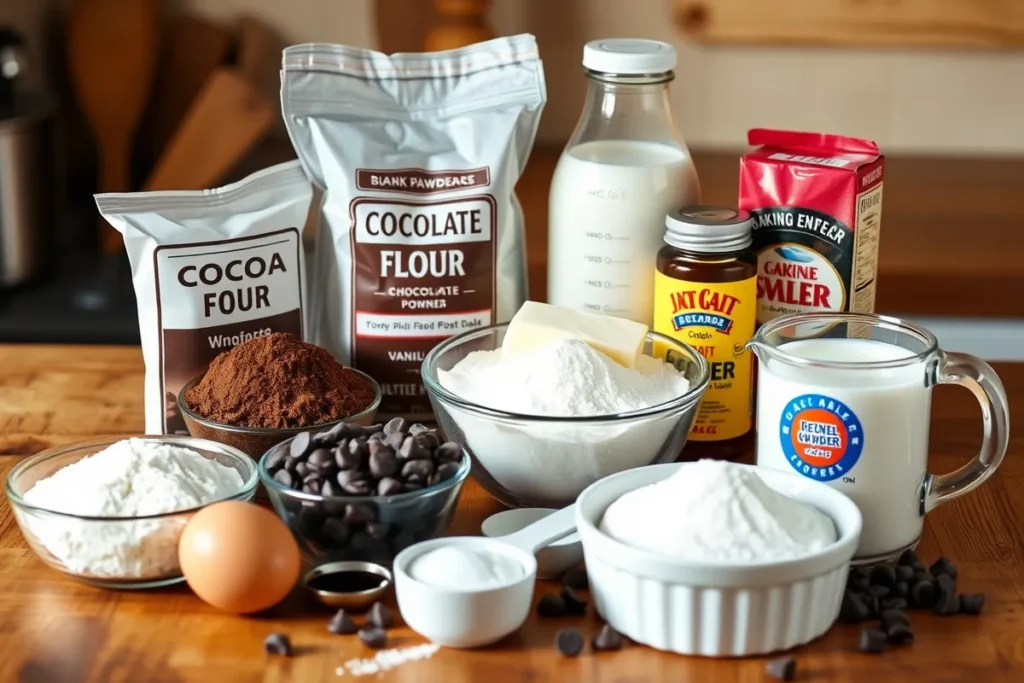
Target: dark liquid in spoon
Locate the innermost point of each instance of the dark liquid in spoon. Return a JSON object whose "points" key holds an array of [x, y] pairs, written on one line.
{"points": [[347, 582]]}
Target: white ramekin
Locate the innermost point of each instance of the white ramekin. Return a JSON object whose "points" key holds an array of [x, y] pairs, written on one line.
{"points": [[716, 609]]}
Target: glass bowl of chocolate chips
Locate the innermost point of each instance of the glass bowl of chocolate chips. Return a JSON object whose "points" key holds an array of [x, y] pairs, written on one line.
{"points": [[362, 493]]}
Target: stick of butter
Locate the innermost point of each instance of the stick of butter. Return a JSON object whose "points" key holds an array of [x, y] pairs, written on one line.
{"points": [[538, 324]]}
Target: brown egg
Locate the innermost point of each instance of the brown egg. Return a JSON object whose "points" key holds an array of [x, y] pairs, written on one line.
{"points": [[239, 557]]}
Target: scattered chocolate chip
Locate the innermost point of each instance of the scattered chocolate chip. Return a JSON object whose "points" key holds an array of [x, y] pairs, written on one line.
{"points": [[277, 644], [569, 642], [300, 444], [892, 603], [859, 584], [894, 616], [908, 558], [872, 641], [883, 575], [900, 634], [972, 603], [948, 602], [606, 640], [576, 579], [284, 478], [923, 595], [381, 616], [853, 609], [574, 604], [902, 590], [943, 566], [342, 624], [374, 637], [784, 668], [395, 424], [878, 591], [904, 573], [551, 606], [389, 487]]}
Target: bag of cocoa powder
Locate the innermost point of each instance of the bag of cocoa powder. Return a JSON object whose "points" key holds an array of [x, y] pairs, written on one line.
{"points": [[211, 268], [422, 236]]}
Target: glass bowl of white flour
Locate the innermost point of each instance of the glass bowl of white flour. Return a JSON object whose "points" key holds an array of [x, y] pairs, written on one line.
{"points": [[109, 512], [543, 426]]}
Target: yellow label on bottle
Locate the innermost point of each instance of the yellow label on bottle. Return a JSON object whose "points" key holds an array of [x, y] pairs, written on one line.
{"points": [[717, 319]]}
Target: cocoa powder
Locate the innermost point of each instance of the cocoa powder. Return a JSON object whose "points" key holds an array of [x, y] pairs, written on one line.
{"points": [[278, 381]]}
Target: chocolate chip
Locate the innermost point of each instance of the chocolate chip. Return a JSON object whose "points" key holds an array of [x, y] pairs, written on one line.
{"points": [[418, 429], [859, 584], [878, 591], [883, 575], [923, 574], [948, 602], [551, 606], [894, 616], [383, 462], [853, 609], [329, 489], [900, 634], [449, 452], [345, 459], [410, 486], [569, 642], [320, 458], [354, 482], [574, 604], [395, 440], [943, 566], [576, 579], [902, 590], [872, 641], [923, 595], [446, 470], [277, 644], [374, 637], [389, 487], [335, 530], [417, 469], [376, 530], [783, 668], [359, 513], [972, 603], [342, 624], [908, 558], [312, 487], [381, 616], [893, 603], [377, 437], [606, 640], [284, 478], [395, 424], [302, 469], [275, 459], [411, 449], [300, 444], [428, 440], [904, 573]]}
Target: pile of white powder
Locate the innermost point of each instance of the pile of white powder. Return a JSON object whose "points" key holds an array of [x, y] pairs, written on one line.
{"points": [[712, 511], [568, 378], [133, 477]]}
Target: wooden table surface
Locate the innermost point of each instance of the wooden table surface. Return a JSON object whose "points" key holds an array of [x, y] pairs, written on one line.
{"points": [[54, 630]]}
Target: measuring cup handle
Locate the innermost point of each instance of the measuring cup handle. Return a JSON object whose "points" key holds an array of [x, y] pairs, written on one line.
{"points": [[544, 531], [981, 379]]}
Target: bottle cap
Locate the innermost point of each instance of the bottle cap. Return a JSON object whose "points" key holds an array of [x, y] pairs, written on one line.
{"points": [[629, 56], [709, 229]]}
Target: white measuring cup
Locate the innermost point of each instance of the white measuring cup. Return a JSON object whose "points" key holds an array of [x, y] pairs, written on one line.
{"points": [[473, 618]]}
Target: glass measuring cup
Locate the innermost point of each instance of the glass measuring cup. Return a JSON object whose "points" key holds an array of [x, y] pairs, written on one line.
{"points": [[846, 399]]}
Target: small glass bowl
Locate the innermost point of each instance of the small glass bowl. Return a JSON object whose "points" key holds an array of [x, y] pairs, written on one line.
{"points": [[257, 440], [363, 528], [157, 534], [546, 462]]}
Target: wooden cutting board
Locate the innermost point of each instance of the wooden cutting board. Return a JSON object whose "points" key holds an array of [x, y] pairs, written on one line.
{"points": [[113, 47]]}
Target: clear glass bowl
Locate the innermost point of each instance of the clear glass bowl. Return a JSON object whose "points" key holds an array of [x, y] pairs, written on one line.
{"points": [[255, 441], [541, 461], [363, 528], [149, 542]]}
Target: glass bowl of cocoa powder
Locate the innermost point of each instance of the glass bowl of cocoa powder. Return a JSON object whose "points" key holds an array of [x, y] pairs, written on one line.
{"points": [[270, 388]]}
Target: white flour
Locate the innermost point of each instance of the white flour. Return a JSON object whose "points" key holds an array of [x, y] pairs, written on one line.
{"points": [[555, 461], [387, 659], [129, 478], [712, 511]]}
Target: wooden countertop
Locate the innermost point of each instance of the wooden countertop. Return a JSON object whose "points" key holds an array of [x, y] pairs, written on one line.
{"points": [[55, 630]]}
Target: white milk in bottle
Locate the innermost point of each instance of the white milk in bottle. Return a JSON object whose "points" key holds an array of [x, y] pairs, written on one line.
{"points": [[624, 168]]}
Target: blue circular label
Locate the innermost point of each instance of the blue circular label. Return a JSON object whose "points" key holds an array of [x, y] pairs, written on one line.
{"points": [[820, 436]]}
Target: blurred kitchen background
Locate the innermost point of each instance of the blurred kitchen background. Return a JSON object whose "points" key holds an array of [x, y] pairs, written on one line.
{"points": [[130, 94]]}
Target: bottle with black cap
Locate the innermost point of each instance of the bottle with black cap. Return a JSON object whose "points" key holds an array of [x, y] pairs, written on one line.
{"points": [[705, 294], [624, 168]]}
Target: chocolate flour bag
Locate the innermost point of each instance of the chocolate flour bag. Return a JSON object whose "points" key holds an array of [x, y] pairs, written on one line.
{"points": [[422, 235], [211, 268]]}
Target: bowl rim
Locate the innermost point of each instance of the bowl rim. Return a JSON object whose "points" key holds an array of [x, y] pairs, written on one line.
{"points": [[247, 488], [722, 573], [428, 372], [371, 409], [269, 482]]}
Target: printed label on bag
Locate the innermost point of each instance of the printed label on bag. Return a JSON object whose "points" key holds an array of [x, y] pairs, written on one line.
{"points": [[716, 319], [423, 271], [821, 437], [214, 295]]}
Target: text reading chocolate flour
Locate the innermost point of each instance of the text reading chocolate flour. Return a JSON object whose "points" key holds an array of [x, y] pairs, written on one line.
{"points": [[211, 269], [418, 155]]}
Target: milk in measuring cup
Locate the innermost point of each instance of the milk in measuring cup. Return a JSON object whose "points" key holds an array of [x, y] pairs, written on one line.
{"points": [[607, 214], [862, 430]]}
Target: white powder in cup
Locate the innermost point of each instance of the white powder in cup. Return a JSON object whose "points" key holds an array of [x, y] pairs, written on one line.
{"points": [[569, 378], [129, 478]]}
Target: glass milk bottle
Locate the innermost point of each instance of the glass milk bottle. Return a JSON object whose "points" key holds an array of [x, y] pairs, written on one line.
{"points": [[624, 169]]}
